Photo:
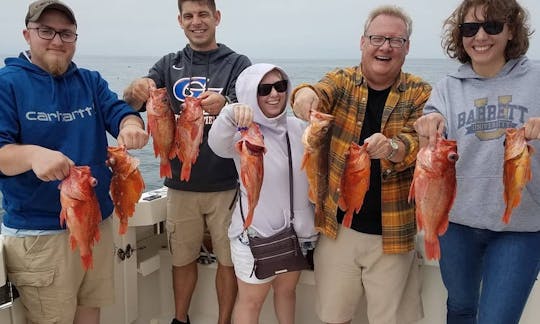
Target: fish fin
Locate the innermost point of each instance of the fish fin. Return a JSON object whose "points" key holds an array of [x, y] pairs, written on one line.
{"points": [[347, 219], [419, 219], [311, 195], [411, 192], [443, 226], [87, 261], [186, 171], [342, 204], [507, 214], [123, 227], [305, 160], [433, 250], [72, 242], [165, 169]]}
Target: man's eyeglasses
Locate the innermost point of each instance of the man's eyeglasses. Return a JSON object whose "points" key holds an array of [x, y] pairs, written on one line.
{"points": [[49, 34], [378, 40], [490, 27], [264, 89]]}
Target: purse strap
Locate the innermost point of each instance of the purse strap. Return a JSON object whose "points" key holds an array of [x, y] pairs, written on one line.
{"points": [[291, 184]]}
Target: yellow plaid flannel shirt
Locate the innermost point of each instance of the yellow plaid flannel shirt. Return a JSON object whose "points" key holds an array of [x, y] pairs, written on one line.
{"points": [[344, 93]]}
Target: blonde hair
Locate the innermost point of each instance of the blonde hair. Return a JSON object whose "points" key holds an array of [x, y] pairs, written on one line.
{"points": [[390, 10]]}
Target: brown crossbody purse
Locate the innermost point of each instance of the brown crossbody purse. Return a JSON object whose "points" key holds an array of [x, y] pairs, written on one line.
{"points": [[281, 252]]}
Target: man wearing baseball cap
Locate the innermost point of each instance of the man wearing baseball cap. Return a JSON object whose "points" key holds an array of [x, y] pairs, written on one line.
{"points": [[53, 116]]}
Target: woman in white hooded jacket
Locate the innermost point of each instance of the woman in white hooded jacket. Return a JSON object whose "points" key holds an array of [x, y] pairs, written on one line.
{"points": [[272, 213]]}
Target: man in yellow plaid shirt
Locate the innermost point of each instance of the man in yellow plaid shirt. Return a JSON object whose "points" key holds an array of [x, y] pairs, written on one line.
{"points": [[375, 103]]}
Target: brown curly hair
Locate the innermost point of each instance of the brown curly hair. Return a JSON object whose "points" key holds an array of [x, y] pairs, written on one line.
{"points": [[509, 11]]}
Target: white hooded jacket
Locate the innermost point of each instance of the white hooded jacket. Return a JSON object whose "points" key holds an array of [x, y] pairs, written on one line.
{"points": [[272, 211]]}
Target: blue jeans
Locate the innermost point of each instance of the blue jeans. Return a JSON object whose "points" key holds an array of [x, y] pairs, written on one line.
{"points": [[489, 275]]}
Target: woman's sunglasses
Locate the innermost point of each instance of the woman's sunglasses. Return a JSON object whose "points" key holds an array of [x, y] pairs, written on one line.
{"points": [[490, 27], [264, 89]]}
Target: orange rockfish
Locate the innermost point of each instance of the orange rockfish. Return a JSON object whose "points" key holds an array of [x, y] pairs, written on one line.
{"points": [[313, 139], [354, 182], [127, 184], [189, 135], [433, 189], [161, 127], [80, 210], [517, 168], [251, 148]]}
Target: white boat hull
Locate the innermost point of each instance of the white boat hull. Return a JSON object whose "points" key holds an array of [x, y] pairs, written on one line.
{"points": [[143, 283]]}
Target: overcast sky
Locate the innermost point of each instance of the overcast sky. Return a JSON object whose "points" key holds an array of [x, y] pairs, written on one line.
{"points": [[317, 29]]}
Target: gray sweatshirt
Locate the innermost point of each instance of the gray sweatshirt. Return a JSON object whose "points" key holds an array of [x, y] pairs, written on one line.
{"points": [[477, 112], [272, 211]]}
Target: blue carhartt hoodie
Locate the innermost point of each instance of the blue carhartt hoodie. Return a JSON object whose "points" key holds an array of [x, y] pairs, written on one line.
{"points": [[70, 113]]}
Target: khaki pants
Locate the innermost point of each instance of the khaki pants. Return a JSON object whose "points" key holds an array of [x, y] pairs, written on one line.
{"points": [[188, 213], [353, 266], [50, 278]]}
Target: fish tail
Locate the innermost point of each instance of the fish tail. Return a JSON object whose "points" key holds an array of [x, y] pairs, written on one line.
{"points": [[507, 214], [123, 227], [87, 261], [433, 250], [347, 219], [165, 169], [249, 219], [186, 171]]}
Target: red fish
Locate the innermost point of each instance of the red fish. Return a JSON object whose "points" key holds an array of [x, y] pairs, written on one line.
{"points": [[189, 135], [161, 127], [80, 210], [434, 189], [517, 169], [251, 149], [313, 139], [354, 182], [127, 184]]}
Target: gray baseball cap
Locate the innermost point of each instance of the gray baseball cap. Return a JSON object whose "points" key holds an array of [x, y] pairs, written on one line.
{"points": [[35, 9]]}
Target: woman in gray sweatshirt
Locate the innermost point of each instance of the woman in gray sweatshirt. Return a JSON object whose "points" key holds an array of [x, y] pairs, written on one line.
{"points": [[496, 87]]}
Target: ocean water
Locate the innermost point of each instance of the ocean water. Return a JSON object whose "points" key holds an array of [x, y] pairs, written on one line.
{"points": [[120, 71]]}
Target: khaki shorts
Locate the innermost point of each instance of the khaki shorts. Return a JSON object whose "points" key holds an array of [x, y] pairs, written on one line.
{"points": [[353, 267], [187, 215], [50, 278]]}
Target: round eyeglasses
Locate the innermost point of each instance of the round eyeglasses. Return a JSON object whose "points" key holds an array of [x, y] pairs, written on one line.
{"points": [[49, 34]]}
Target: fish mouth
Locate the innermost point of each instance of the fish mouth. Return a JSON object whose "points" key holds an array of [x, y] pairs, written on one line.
{"points": [[254, 148]]}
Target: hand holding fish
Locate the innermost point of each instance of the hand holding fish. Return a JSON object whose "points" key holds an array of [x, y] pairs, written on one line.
{"points": [[243, 115], [50, 165], [305, 100], [378, 146], [428, 126], [132, 133], [138, 92], [532, 128], [212, 102]]}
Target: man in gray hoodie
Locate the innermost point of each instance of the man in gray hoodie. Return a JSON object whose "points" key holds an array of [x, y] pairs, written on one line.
{"points": [[207, 70]]}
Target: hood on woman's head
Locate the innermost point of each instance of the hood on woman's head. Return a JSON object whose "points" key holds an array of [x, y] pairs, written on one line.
{"points": [[249, 79]]}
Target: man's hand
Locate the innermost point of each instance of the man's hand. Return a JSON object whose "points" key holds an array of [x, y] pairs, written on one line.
{"points": [[132, 134], [137, 93], [305, 100], [49, 165], [212, 102]]}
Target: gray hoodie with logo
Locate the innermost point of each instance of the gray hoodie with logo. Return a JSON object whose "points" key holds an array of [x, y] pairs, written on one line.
{"points": [[477, 112]]}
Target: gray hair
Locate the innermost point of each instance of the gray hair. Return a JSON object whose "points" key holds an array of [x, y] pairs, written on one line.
{"points": [[390, 10]]}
